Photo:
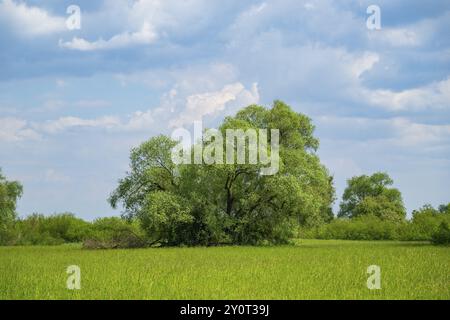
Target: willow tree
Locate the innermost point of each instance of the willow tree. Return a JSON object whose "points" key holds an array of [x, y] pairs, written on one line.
{"points": [[233, 203], [10, 192]]}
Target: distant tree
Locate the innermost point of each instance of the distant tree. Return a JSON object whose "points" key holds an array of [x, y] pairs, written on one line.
{"points": [[427, 220], [371, 195], [230, 203], [444, 208], [442, 235], [10, 192]]}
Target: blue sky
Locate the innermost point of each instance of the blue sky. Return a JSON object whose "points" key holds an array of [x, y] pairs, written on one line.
{"points": [[74, 102]]}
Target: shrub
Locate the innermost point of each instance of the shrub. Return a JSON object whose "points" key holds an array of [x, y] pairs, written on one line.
{"points": [[112, 233], [8, 234], [425, 223], [442, 235], [38, 229], [361, 228]]}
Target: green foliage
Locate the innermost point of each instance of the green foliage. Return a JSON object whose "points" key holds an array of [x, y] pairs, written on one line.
{"points": [[229, 203], [166, 218], [370, 195], [442, 235], [112, 233], [427, 224], [444, 208], [56, 229], [368, 227], [10, 192]]}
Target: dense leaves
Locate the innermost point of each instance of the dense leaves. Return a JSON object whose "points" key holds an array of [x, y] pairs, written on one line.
{"points": [[10, 192], [427, 224], [371, 195], [230, 203]]}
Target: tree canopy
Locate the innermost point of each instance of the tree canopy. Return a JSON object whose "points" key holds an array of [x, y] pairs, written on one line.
{"points": [[371, 195], [229, 203], [10, 192]]}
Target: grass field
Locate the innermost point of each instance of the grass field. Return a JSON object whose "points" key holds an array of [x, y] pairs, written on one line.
{"points": [[310, 270]]}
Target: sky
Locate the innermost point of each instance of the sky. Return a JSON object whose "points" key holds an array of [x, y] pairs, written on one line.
{"points": [[74, 101]]}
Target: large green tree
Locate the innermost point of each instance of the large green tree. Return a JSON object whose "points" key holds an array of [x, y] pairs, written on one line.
{"points": [[230, 203], [372, 195], [10, 192]]}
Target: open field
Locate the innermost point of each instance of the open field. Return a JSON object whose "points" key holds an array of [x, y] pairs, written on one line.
{"points": [[310, 270]]}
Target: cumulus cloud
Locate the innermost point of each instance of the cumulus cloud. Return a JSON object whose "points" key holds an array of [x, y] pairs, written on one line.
{"points": [[192, 93], [175, 109], [433, 96], [145, 36], [212, 103], [364, 63], [13, 130], [29, 20], [384, 92], [150, 19], [416, 134], [396, 131]]}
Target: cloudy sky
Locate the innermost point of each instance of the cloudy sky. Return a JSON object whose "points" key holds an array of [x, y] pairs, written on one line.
{"points": [[74, 101]]}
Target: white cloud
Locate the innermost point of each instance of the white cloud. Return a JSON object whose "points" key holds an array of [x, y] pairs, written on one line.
{"points": [[30, 21], [419, 34], [140, 120], [396, 37], [145, 36], [64, 123], [173, 111], [397, 131], [414, 134], [433, 96], [364, 63], [212, 103], [13, 129]]}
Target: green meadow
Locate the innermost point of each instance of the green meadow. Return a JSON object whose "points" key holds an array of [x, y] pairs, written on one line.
{"points": [[311, 269]]}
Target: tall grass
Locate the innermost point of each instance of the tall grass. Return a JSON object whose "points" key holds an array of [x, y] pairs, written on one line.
{"points": [[312, 269]]}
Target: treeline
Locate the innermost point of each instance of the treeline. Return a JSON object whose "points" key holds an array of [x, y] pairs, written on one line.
{"points": [[165, 203], [57, 229], [427, 224]]}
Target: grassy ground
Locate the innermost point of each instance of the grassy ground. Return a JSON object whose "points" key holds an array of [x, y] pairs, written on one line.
{"points": [[311, 270]]}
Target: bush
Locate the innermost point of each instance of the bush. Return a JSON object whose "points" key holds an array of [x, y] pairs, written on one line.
{"points": [[442, 235], [8, 234], [113, 233], [361, 228], [426, 223], [38, 229]]}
